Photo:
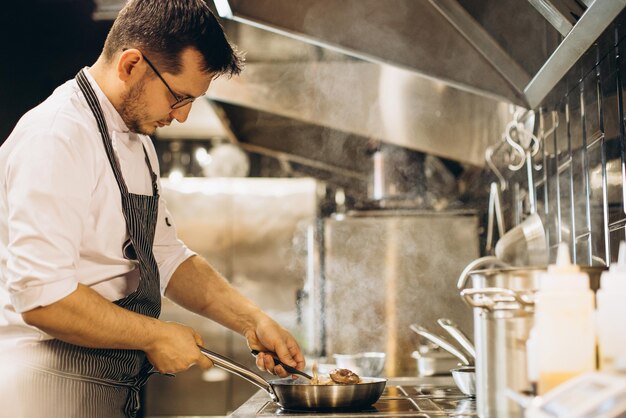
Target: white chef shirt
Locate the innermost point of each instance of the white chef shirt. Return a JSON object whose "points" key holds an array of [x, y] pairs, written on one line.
{"points": [[61, 219]]}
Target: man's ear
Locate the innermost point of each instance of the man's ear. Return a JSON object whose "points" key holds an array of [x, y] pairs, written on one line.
{"points": [[127, 65]]}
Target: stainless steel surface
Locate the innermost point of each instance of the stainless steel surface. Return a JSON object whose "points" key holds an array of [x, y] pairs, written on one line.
{"points": [[434, 362], [497, 45], [524, 244], [324, 23], [441, 342], [465, 379], [240, 370], [557, 18], [503, 301], [373, 101], [298, 396], [404, 397], [501, 328], [578, 172], [456, 333], [383, 272], [469, 34], [309, 162], [479, 263], [494, 214], [590, 26], [483, 42], [301, 395]]}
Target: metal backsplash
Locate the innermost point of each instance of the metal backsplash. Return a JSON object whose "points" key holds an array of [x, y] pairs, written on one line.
{"points": [[579, 169]]}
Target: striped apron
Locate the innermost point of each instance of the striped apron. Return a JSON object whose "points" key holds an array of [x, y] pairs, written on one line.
{"points": [[64, 380]]}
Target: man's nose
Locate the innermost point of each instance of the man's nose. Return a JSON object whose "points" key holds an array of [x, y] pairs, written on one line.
{"points": [[181, 113]]}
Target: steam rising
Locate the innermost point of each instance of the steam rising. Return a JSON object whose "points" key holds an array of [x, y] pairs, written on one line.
{"points": [[384, 274]]}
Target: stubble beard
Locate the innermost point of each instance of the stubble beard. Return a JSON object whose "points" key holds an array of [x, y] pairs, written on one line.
{"points": [[132, 110]]}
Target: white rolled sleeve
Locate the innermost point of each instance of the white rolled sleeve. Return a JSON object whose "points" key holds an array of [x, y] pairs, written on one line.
{"points": [[48, 189], [168, 250]]}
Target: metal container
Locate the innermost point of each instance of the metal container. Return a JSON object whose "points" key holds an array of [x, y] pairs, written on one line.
{"points": [[503, 302], [465, 379], [502, 321], [434, 363]]}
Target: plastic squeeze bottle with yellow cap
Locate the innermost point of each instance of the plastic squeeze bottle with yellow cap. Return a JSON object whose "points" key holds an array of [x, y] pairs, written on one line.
{"points": [[564, 323], [611, 315]]}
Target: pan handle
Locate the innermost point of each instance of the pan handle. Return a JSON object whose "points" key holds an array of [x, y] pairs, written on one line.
{"points": [[488, 297], [287, 367], [476, 264], [418, 329], [454, 330], [239, 370]]}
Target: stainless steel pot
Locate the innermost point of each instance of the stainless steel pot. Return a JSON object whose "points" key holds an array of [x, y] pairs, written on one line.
{"points": [[503, 317], [301, 395], [503, 302]]}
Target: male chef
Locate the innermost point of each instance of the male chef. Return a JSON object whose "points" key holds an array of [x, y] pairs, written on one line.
{"points": [[87, 246]]}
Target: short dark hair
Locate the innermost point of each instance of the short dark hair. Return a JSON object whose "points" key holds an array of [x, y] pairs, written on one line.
{"points": [[162, 29]]}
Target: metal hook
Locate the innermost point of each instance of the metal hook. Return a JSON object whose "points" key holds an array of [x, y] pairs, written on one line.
{"points": [[494, 211], [516, 147], [488, 154]]}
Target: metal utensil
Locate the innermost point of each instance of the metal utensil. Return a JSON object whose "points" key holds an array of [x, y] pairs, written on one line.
{"points": [[300, 395], [494, 214], [441, 342], [465, 379], [287, 367], [456, 333], [479, 263], [525, 244]]}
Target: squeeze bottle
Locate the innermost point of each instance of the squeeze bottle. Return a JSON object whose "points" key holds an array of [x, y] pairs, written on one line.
{"points": [[564, 323], [611, 315]]}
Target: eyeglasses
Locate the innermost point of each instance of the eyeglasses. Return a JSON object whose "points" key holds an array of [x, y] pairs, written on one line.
{"points": [[180, 101]]}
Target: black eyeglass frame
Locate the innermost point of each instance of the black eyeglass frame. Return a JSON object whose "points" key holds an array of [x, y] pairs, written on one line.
{"points": [[180, 101]]}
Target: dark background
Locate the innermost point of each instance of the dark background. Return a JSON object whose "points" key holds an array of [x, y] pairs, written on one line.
{"points": [[44, 43]]}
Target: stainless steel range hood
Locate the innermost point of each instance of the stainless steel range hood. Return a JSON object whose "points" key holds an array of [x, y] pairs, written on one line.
{"points": [[372, 101], [508, 49], [437, 76]]}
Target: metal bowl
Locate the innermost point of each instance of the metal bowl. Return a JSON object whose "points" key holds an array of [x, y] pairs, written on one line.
{"points": [[370, 364], [465, 379]]}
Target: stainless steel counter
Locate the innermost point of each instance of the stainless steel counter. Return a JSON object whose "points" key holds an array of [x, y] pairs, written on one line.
{"points": [[403, 397]]}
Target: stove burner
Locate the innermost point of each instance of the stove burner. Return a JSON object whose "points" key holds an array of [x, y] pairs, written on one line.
{"points": [[384, 407], [282, 410], [434, 391]]}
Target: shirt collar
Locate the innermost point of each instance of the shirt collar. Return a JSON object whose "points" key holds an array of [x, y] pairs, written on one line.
{"points": [[115, 123]]}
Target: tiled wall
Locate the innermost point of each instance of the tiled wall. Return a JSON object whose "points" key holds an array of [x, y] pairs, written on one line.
{"points": [[579, 170]]}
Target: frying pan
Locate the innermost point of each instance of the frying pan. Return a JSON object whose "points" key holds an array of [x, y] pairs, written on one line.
{"points": [[300, 394]]}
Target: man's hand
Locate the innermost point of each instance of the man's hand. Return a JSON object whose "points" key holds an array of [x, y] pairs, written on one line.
{"points": [[197, 286], [268, 336], [87, 319], [175, 349]]}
